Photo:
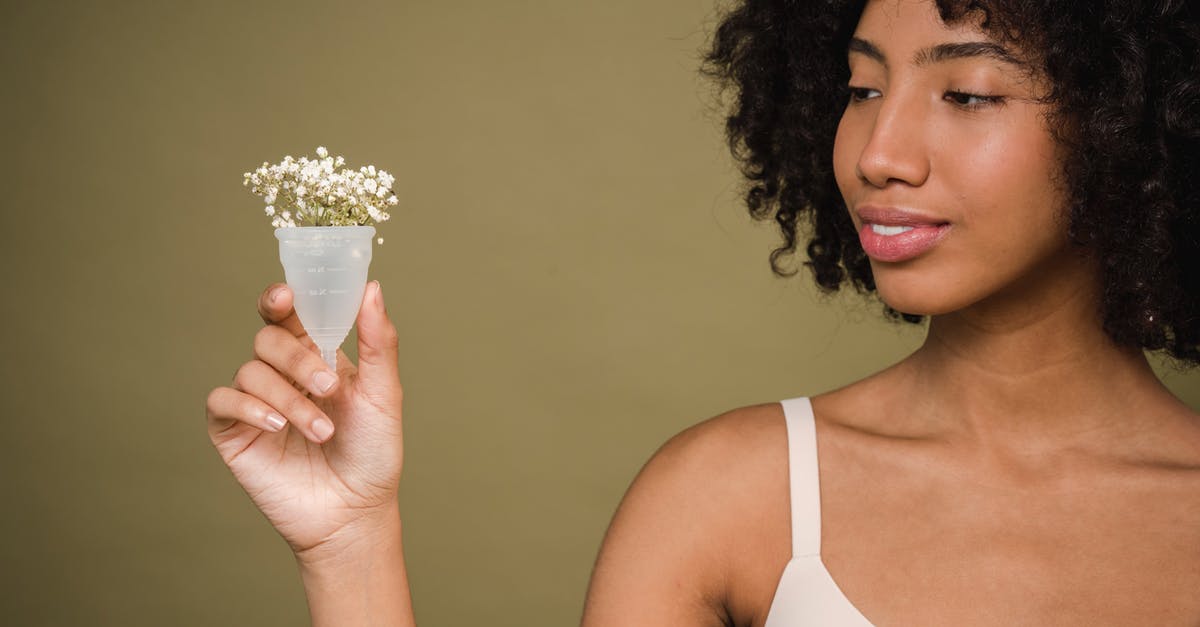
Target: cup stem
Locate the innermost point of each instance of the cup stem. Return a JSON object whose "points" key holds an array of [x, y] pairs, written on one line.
{"points": [[330, 357]]}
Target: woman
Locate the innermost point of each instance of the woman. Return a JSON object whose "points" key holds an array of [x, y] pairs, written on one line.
{"points": [[1017, 172]]}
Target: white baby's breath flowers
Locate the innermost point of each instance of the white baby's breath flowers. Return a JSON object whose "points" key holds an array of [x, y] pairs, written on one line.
{"points": [[312, 192]]}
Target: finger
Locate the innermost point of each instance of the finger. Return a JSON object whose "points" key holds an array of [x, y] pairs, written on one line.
{"points": [[264, 382], [287, 354], [275, 306], [226, 407], [378, 345]]}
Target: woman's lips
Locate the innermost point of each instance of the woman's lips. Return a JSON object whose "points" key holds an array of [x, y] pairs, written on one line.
{"points": [[900, 246]]}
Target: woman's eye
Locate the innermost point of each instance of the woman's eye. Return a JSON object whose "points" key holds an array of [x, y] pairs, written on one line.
{"points": [[972, 101], [858, 94]]}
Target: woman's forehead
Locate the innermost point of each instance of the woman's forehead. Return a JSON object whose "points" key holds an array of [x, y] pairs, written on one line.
{"points": [[915, 20], [912, 31]]}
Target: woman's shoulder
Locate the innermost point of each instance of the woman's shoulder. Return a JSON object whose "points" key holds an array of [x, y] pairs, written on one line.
{"points": [[735, 461], [702, 532], [748, 445], [732, 433]]}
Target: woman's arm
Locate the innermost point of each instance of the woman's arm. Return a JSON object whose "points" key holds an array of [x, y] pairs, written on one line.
{"points": [[320, 454], [669, 555], [359, 579]]}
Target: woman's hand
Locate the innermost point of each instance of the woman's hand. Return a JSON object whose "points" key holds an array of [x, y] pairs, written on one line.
{"points": [[328, 473]]}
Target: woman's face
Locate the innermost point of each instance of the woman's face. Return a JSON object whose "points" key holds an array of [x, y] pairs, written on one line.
{"points": [[945, 162]]}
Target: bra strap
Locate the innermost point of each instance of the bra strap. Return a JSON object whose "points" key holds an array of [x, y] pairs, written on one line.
{"points": [[803, 479]]}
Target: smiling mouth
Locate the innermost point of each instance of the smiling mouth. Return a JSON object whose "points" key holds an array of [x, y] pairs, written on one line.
{"points": [[900, 242], [894, 234]]}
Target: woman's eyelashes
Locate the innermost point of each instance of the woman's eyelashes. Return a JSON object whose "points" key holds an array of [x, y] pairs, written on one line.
{"points": [[960, 99], [859, 94], [972, 101]]}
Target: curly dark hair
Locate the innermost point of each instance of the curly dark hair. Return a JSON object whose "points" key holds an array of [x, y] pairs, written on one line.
{"points": [[1124, 89]]}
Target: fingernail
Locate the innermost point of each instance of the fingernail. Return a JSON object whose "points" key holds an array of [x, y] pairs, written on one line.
{"points": [[322, 428], [324, 380], [274, 294], [378, 295], [275, 421]]}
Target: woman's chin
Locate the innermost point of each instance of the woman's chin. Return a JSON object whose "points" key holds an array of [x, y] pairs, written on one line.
{"points": [[921, 302]]}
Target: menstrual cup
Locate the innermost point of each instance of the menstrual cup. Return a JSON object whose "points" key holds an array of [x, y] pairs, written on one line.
{"points": [[326, 269]]}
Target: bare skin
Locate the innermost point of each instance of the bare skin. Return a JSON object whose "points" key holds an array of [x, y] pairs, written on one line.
{"points": [[1018, 469], [331, 495]]}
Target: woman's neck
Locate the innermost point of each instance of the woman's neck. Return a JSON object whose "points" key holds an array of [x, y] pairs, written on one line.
{"points": [[1033, 371]]}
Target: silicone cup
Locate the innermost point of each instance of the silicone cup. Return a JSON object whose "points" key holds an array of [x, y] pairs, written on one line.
{"points": [[326, 269]]}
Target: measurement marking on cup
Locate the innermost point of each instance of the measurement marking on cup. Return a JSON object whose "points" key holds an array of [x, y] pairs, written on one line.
{"points": [[316, 269], [324, 291]]}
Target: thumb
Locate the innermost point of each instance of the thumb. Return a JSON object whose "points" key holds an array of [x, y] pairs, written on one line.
{"points": [[378, 346]]}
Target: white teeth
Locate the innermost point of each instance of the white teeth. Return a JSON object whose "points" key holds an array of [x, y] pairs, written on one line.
{"points": [[890, 230]]}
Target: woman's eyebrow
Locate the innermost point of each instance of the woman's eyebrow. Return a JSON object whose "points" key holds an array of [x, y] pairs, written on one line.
{"points": [[945, 52], [862, 46], [941, 52]]}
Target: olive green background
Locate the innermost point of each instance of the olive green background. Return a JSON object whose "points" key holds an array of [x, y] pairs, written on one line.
{"points": [[571, 271]]}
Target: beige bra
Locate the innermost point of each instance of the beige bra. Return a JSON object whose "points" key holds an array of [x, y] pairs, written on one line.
{"points": [[807, 596]]}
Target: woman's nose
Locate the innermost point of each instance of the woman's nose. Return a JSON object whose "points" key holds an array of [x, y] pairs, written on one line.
{"points": [[896, 149]]}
